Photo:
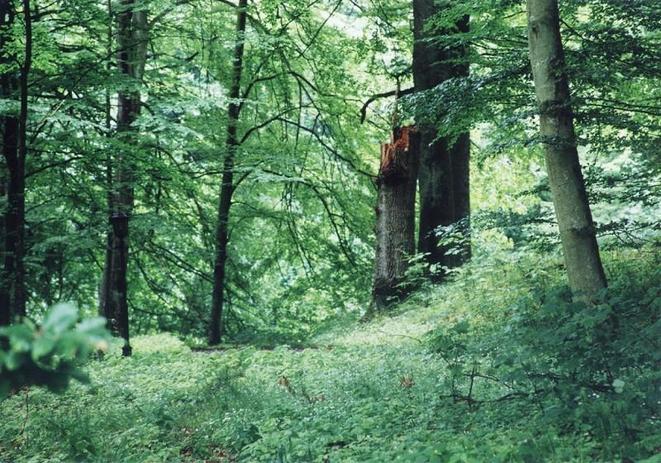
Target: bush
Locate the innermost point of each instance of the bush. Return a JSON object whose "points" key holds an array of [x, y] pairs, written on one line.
{"points": [[585, 370], [48, 355]]}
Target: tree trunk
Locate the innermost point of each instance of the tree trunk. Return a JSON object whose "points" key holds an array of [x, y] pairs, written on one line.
{"points": [[132, 42], [12, 285], [9, 150], [104, 287], [395, 217], [460, 155], [8, 85], [444, 165], [5, 309], [572, 209], [227, 185], [20, 295]]}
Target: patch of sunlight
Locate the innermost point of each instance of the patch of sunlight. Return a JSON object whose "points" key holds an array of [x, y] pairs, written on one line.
{"points": [[403, 329], [162, 342]]}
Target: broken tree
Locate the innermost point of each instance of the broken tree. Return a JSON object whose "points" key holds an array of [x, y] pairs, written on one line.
{"points": [[395, 216]]}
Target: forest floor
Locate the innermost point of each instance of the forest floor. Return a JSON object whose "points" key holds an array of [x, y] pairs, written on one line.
{"points": [[363, 392]]}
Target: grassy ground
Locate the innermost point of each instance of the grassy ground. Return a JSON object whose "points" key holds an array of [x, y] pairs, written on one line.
{"points": [[370, 392]]}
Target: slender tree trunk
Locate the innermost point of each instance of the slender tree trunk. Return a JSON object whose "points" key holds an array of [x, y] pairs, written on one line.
{"points": [[132, 41], [9, 150], [8, 86], [395, 217], [20, 295], [5, 310], [570, 200], [105, 309], [12, 284], [227, 185], [444, 165]]}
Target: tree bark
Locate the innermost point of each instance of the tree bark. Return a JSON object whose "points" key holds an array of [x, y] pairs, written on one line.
{"points": [[570, 200], [395, 217], [20, 294], [9, 151], [8, 86], [5, 309], [444, 180], [132, 42], [227, 185], [12, 281], [104, 287]]}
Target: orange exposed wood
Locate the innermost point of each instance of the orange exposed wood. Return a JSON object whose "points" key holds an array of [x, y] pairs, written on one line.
{"points": [[395, 155]]}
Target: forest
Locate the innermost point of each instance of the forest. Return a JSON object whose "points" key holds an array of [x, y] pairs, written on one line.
{"points": [[330, 231]]}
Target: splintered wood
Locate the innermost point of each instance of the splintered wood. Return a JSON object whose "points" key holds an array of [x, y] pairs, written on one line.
{"points": [[395, 156]]}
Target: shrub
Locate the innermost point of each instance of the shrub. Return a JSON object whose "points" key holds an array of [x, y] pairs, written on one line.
{"points": [[50, 354]]}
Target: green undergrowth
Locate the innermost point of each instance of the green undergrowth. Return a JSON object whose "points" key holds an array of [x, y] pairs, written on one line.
{"points": [[497, 365]]}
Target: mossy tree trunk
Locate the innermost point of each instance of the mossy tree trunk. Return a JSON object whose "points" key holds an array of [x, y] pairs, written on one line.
{"points": [[570, 200]]}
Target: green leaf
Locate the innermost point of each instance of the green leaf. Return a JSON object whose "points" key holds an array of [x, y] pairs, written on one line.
{"points": [[42, 346], [60, 318], [68, 345], [95, 325], [20, 337], [14, 360]]}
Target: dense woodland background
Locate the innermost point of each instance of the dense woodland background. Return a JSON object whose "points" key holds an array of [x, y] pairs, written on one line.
{"points": [[255, 178]]}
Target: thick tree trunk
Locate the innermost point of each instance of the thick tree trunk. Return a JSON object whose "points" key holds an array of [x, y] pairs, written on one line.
{"points": [[227, 185], [132, 42], [460, 155], [436, 197], [395, 217], [444, 166], [570, 200]]}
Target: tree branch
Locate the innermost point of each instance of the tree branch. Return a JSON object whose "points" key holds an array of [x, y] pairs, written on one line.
{"points": [[373, 98]]}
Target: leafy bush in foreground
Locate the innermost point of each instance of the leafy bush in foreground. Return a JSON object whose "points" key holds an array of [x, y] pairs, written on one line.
{"points": [[48, 355]]}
